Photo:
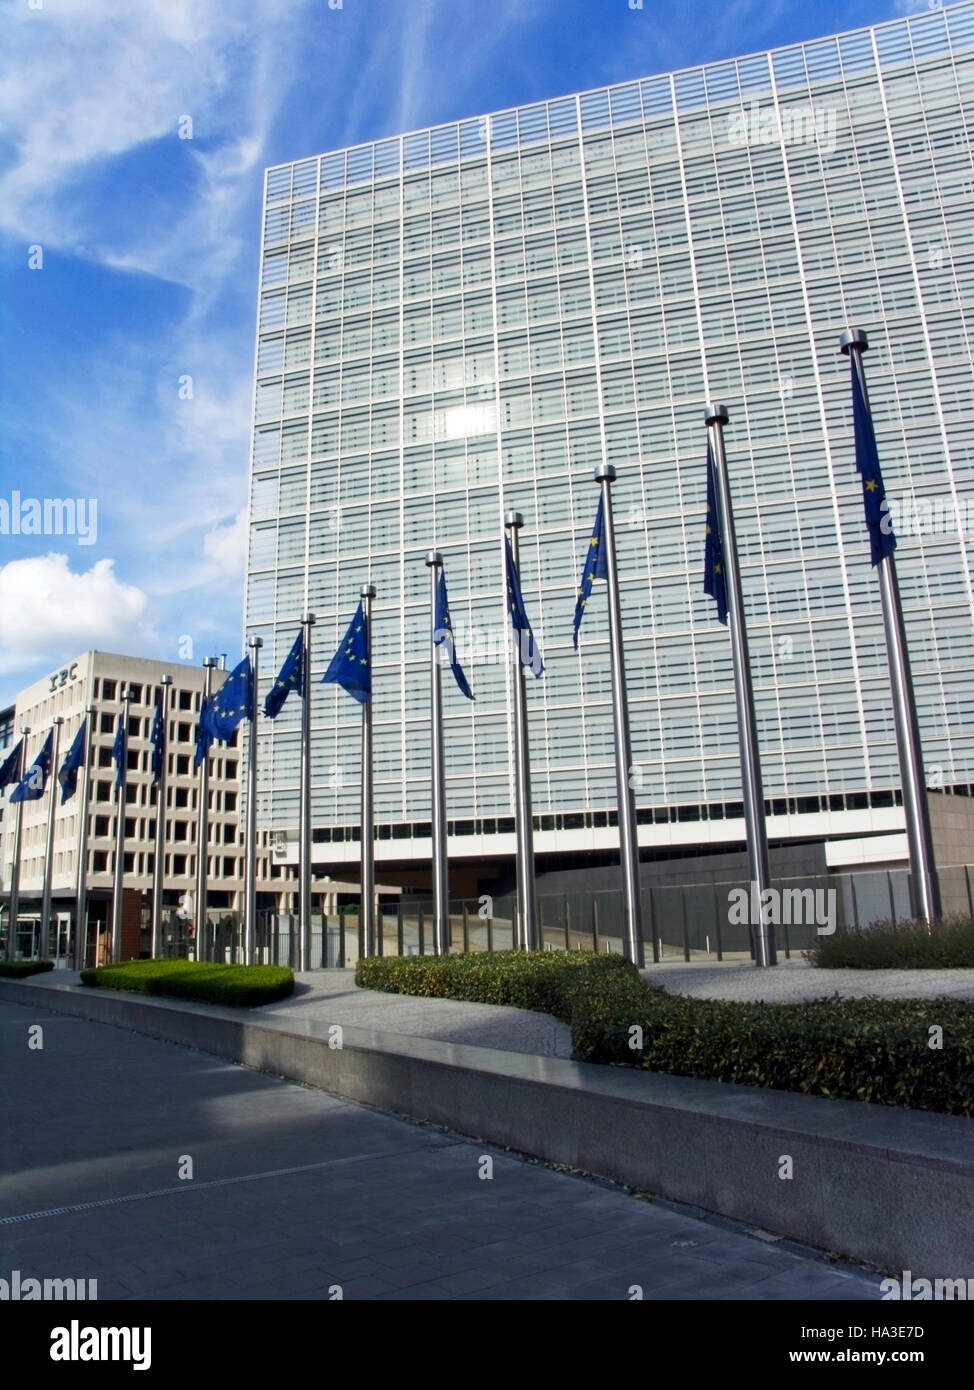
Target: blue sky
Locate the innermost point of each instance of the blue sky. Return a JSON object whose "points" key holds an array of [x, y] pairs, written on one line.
{"points": [[149, 249]]}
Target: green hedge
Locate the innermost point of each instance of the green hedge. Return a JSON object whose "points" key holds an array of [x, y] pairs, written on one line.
{"points": [[240, 985], [856, 1049], [899, 946], [19, 968], [547, 981]]}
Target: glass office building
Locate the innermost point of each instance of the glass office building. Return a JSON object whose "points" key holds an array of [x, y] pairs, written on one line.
{"points": [[469, 318]]}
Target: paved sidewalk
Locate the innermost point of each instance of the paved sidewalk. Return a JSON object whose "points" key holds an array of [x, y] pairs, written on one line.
{"points": [[295, 1193], [332, 996], [794, 980]]}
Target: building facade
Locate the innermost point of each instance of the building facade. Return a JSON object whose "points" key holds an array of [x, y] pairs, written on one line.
{"points": [[99, 679], [469, 318]]}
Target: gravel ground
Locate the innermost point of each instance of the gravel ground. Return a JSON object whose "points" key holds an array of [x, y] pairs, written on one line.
{"points": [[795, 980]]}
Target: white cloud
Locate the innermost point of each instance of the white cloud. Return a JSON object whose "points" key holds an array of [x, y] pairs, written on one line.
{"points": [[226, 546], [48, 612]]}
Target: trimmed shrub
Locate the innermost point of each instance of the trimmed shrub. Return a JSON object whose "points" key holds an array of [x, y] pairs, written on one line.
{"points": [[243, 986], [546, 981], [899, 946], [853, 1049], [856, 1049], [17, 969]]}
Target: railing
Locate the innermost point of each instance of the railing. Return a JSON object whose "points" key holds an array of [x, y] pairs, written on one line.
{"points": [[705, 921], [689, 922]]}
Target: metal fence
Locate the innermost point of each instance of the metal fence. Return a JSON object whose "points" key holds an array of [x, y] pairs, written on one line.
{"points": [[710, 921], [687, 922]]}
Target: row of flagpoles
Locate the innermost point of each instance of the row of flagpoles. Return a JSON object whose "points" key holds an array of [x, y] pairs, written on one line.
{"points": [[351, 667]]}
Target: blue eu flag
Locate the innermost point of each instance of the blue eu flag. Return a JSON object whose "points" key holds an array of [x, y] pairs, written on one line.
{"points": [[594, 568], [33, 784], [120, 752], [290, 677], [528, 648], [350, 665], [231, 703], [204, 734], [714, 578], [10, 771], [882, 542], [443, 634], [157, 737], [75, 758]]}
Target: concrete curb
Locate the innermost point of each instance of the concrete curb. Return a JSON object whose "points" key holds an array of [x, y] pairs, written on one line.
{"points": [[893, 1188]]}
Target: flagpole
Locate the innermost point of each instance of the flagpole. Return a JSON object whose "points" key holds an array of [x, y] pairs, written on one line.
{"points": [[304, 817], [625, 800], [202, 823], [440, 873], [367, 906], [15, 870], [926, 888], [158, 862], [81, 889], [747, 731], [250, 879], [526, 893], [56, 722], [120, 838]]}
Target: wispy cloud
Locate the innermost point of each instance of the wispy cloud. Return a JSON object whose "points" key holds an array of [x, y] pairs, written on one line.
{"points": [[152, 414], [85, 84], [442, 56], [694, 33]]}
